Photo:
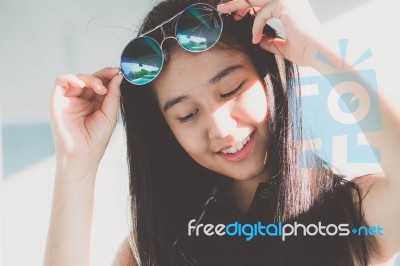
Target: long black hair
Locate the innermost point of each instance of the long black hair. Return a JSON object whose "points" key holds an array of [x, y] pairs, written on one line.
{"points": [[167, 187]]}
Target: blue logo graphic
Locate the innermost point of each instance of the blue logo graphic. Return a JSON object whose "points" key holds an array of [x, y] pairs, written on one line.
{"points": [[368, 231], [281, 230], [343, 104]]}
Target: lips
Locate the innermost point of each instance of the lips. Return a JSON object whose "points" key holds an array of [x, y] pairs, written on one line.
{"points": [[239, 146], [240, 151]]}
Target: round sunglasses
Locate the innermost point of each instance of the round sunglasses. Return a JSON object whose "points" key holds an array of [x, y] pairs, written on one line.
{"points": [[197, 29]]}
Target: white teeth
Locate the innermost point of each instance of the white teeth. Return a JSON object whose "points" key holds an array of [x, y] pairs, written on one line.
{"points": [[240, 146], [237, 147]]}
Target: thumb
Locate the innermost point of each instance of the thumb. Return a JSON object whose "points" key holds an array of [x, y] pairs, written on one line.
{"points": [[112, 98], [273, 45]]}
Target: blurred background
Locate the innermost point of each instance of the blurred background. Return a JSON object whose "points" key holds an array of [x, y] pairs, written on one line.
{"points": [[43, 39]]}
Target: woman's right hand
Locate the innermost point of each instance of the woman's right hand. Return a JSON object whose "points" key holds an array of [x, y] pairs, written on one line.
{"points": [[304, 37], [83, 115]]}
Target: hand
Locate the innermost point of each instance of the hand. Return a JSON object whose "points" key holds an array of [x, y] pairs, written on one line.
{"points": [[83, 114], [299, 46]]}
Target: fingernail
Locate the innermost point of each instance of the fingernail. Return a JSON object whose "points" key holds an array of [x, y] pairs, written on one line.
{"points": [[81, 83], [100, 87], [120, 78], [256, 39]]}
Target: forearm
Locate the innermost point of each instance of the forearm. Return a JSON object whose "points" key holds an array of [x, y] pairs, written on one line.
{"points": [[68, 240], [386, 140]]}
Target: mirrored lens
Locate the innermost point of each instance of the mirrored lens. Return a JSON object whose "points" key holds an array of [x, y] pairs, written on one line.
{"points": [[141, 60], [198, 28]]}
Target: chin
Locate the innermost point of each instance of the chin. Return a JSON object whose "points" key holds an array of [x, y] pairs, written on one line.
{"points": [[248, 177], [243, 178], [252, 174]]}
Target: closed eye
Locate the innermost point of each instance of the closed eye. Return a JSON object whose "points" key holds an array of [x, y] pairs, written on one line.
{"points": [[233, 92], [188, 117]]}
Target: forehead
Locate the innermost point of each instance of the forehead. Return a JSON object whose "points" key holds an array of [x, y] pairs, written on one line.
{"points": [[185, 70]]}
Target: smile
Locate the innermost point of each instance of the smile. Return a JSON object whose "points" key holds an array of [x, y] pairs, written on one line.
{"points": [[240, 151], [239, 146]]}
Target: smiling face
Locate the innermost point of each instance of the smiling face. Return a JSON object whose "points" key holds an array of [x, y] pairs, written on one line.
{"points": [[216, 106]]}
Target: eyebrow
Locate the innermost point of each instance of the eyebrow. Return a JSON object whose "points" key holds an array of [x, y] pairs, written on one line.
{"points": [[218, 77], [223, 73]]}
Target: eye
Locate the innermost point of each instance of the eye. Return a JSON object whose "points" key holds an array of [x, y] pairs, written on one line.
{"points": [[188, 117], [233, 92]]}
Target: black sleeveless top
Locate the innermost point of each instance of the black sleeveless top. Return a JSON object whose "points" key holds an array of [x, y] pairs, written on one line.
{"points": [[229, 250], [235, 250]]}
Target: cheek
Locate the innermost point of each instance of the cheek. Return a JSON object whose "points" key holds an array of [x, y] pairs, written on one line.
{"points": [[191, 140], [254, 102]]}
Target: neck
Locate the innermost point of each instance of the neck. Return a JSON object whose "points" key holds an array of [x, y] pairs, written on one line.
{"points": [[241, 193]]}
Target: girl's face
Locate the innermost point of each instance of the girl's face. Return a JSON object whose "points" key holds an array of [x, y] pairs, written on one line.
{"points": [[216, 106]]}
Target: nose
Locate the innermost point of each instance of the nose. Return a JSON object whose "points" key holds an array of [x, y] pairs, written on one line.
{"points": [[221, 123]]}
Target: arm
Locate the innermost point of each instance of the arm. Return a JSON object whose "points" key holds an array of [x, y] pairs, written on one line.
{"points": [[83, 112], [380, 191], [380, 207], [124, 256], [304, 40], [68, 240], [386, 140]]}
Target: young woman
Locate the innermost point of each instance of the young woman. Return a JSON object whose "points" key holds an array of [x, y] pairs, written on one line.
{"points": [[212, 125]]}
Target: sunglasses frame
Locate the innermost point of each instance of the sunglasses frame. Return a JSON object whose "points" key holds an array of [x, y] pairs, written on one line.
{"points": [[176, 16]]}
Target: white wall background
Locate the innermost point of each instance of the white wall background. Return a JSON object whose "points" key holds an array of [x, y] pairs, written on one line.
{"points": [[43, 39], [1, 200], [40, 41]]}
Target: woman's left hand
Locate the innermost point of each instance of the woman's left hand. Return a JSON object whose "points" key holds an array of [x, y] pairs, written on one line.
{"points": [[300, 25]]}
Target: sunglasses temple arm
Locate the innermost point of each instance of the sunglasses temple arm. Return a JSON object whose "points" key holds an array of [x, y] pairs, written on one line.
{"points": [[162, 24]]}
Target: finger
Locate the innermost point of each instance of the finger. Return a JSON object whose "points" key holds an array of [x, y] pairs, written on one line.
{"points": [[106, 74], [232, 6], [69, 80], [254, 10], [273, 45], [69, 85], [112, 98], [235, 5], [238, 15], [97, 81], [272, 10], [91, 82]]}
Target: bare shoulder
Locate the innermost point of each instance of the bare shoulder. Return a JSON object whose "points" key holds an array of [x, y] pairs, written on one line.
{"points": [[380, 205], [375, 194], [366, 182], [124, 255]]}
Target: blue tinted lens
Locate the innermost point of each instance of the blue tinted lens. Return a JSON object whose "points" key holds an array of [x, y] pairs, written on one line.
{"points": [[141, 60], [198, 28]]}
